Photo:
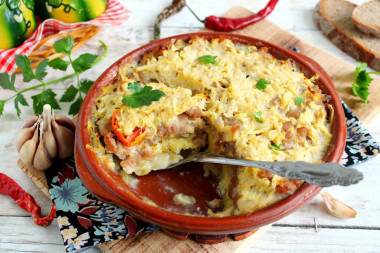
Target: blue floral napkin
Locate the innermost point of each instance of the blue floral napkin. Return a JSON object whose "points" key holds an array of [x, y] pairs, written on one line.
{"points": [[85, 221]]}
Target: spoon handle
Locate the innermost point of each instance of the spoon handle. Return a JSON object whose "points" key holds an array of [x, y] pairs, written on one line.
{"points": [[321, 174]]}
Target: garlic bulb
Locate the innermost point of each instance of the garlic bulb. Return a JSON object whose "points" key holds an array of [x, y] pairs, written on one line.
{"points": [[45, 138]]}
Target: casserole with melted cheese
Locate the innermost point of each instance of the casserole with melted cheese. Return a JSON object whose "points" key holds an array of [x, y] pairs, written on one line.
{"points": [[244, 103]]}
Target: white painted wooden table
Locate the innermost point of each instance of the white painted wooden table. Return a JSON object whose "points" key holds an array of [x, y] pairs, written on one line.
{"points": [[308, 229]]}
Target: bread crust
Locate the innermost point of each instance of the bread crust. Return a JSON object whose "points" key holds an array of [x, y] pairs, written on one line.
{"points": [[342, 39], [365, 27]]}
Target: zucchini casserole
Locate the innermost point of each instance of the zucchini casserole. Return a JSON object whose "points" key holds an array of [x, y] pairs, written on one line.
{"points": [[217, 96]]}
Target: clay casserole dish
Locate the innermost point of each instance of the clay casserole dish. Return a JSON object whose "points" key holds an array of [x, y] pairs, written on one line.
{"points": [[110, 187]]}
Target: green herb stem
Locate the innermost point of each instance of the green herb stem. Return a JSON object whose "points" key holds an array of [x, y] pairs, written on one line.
{"points": [[375, 73], [44, 84]]}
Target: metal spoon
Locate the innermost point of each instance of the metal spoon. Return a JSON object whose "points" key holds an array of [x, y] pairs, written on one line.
{"points": [[321, 174]]}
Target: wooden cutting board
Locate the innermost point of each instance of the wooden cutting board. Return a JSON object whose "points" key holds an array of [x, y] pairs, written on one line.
{"points": [[342, 74]]}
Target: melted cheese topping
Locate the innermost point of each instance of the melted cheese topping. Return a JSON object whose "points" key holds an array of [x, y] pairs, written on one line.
{"points": [[302, 131]]}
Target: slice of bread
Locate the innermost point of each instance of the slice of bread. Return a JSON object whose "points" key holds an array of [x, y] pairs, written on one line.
{"points": [[334, 19], [367, 17]]}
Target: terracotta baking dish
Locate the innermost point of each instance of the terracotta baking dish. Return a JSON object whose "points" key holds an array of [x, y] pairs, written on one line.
{"points": [[109, 187]]}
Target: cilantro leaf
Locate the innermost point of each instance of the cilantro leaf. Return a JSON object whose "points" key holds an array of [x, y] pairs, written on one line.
{"points": [[262, 83], [360, 66], [84, 62], [23, 62], [134, 87], [74, 108], [20, 99], [299, 100], [2, 103], [258, 116], [58, 63], [6, 83], [85, 85], [276, 147], [64, 45], [45, 97], [69, 94], [360, 87], [207, 59], [141, 96], [41, 70]]}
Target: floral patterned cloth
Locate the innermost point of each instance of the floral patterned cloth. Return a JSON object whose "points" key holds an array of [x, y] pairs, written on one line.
{"points": [[85, 221]]}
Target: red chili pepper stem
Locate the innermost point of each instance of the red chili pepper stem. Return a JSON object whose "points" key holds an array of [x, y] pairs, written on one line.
{"points": [[195, 15], [9, 187]]}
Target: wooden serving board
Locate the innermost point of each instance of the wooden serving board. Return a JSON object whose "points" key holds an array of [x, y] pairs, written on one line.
{"points": [[342, 74]]}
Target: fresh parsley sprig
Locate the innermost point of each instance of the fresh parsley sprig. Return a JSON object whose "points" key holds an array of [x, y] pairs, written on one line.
{"points": [[299, 100], [362, 81], [207, 59], [141, 95], [48, 96], [276, 147], [258, 116], [262, 84]]}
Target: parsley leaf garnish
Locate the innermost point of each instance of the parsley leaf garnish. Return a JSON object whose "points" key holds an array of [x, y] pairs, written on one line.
{"points": [[258, 116], [69, 95], [299, 101], [24, 65], [276, 147], [6, 83], [362, 81], [262, 83], [45, 97], [141, 95], [58, 63], [207, 59]]}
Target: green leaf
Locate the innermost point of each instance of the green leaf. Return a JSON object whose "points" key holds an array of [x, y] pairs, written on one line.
{"points": [[207, 59], [45, 97], [23, 63], [360, 66], [2, 103], [41, 70], [84, 62], [258, 116], [134, 87], [64, 45], [7, 84], [360, 87], [262, 83], [69, 94], [58, 63], [74, 108], [276, 147], [299, 100], [20, 99], [141, 96], [85, 85]]}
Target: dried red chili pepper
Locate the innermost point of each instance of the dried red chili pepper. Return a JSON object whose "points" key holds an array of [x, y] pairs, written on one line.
{"points": [[228, 24], [9, 187]]}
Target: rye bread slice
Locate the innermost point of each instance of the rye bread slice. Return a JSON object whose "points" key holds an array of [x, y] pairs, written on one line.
{"points": [[367, 17], [334, 19]]}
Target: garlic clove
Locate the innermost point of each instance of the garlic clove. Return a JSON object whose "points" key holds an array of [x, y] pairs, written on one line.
{"points": [[28, 149], [64, 136], [337, 208], [26, 132], [47, 139], [42, 160]]}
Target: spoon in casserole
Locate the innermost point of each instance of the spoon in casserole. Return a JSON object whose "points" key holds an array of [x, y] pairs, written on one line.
{"points": [[321, 174]]}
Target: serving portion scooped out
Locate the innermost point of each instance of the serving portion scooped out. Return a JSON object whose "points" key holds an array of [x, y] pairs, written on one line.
{"points": [[227, 98]]}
